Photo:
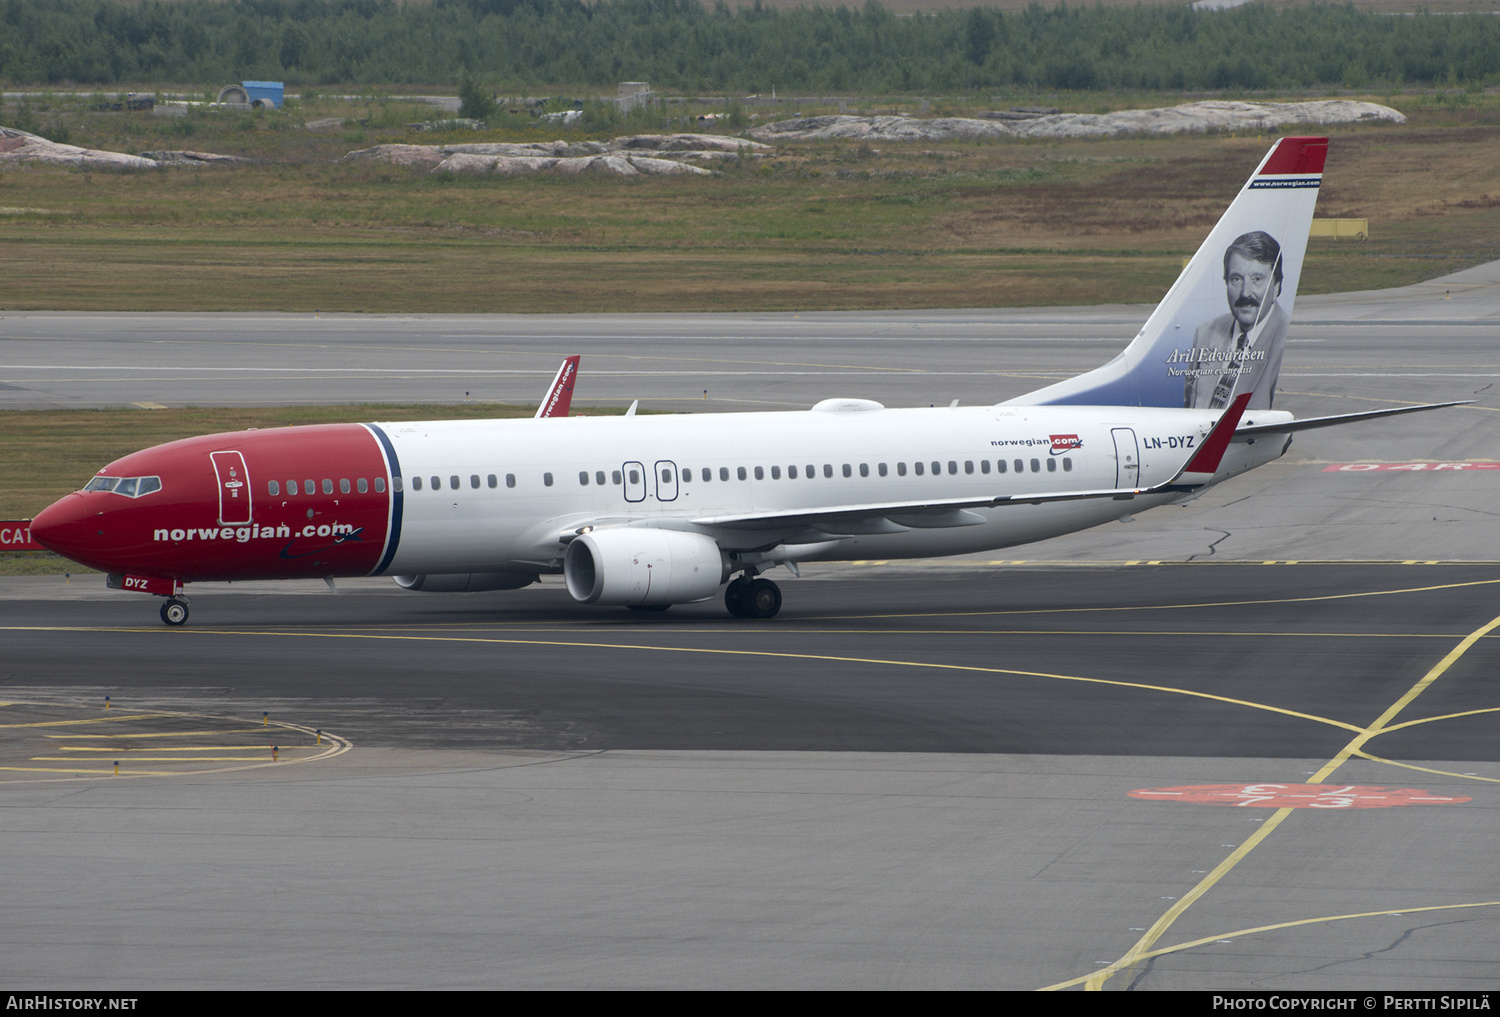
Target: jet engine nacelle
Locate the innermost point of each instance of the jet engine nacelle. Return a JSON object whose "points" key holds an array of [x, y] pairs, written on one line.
{"points": [[641, 565], [467, 582]]}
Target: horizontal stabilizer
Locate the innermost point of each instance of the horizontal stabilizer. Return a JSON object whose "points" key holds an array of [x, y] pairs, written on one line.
{"points": [[1250, 430]]}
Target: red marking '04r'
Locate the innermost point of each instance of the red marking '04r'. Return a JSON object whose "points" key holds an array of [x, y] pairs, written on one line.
{"points": [[1297, 796], [215, 514]]}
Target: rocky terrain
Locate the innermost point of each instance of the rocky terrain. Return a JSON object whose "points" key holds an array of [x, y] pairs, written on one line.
{"points": [[1213, 115], [659, 154], [18, 146]]}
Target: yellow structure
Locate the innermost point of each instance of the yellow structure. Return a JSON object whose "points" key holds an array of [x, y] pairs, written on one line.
{"points": [[1341, 229]]}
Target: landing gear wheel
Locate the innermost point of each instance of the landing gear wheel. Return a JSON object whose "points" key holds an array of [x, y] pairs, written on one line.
{"points": [[175, 611], [762, 599], [734, 598]]}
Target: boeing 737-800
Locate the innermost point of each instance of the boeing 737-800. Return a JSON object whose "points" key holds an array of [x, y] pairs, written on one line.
{"points": [[646, 512]]}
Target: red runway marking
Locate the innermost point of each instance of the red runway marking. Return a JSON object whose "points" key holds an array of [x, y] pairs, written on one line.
{"points": [[1297, 796], [1408, 467]]}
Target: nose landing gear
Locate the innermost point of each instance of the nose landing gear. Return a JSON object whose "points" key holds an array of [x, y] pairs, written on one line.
{"points": [[174, 611], [748, 597]]}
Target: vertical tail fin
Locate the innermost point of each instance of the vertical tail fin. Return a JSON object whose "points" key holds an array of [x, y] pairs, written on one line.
{"points": [[1219, 331], [559, 398]]}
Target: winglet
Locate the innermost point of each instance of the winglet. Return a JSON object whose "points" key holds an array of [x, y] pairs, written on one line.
{"points": [[560, 396], [1201, 468]]}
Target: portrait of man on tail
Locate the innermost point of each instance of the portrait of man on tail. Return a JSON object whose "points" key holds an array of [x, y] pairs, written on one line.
{"points": [[1241, 351]]}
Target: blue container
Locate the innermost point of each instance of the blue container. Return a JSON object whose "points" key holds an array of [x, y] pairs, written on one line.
{"points": [[269, 90]]}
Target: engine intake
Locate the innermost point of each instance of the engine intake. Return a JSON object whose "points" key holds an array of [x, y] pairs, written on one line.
{"points": [[639, 565]]}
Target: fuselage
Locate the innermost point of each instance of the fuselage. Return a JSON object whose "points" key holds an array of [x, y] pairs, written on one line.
{"points": [[504, 496]]}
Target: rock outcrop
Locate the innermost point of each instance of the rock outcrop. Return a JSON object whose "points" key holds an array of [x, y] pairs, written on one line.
{"points": [[20, 147], [656, 154], [1212, 115]]}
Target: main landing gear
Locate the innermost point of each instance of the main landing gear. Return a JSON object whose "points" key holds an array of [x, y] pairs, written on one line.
{"points": [[748, 597], [175, 611]]}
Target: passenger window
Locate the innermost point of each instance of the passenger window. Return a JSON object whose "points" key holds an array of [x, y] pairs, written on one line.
{"points": [[723, 473], [380, 484], [416, 483], [510, 480], [474, 481], [327, 486], [708, 474], [812, 471], [635, 478], [952, 468], [848, 470], [864, 469], [740, 472], [968, 466], [1051, 465], [900, 469], [493, 481], [547, 479], [599, 477], [291, 487], [919, 468], [614, 477], [583, 478], [1036, 467], [776, 473], [437, 483], [827, 469], [1020, 466], [1067, 465], [937, 468], [999, 465], [984, 466], [453, 481], [760, 473], [666, 476], [310, 486], [363, 485], [791, 472], [273, 489], [881, 468], [344, 487]]}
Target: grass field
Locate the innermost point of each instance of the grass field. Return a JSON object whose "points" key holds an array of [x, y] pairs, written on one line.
{"points": [[825, 225]]}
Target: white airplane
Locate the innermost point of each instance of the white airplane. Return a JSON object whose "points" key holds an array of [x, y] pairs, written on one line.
{"points": [[647, 512]]}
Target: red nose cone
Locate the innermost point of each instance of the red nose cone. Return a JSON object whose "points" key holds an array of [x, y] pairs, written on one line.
{"points": [[64, 526]]}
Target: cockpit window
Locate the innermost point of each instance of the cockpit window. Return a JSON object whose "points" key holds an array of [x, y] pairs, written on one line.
{"points": [[130, 487]]}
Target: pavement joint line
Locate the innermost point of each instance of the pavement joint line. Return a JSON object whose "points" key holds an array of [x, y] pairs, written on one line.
{"points": [[1425, 769], [778, 655], [1095, 980], [1239, 933]]}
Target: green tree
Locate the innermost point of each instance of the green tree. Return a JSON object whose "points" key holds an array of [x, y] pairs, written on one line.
{"points": [[474, 102]]}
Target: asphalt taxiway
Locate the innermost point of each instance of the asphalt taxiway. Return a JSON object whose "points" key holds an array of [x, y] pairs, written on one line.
{"points": [[920, 775]]}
